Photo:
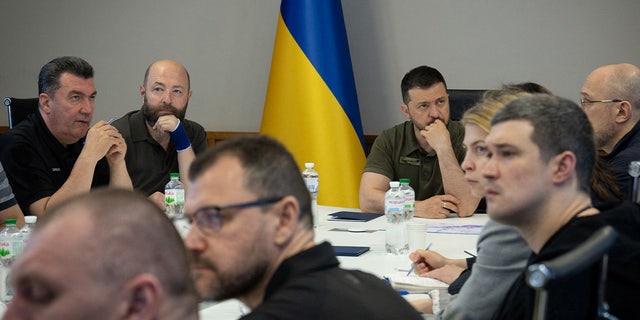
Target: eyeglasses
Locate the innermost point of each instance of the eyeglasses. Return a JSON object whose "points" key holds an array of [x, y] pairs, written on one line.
{"points": [[208, 218], [585, 101]]}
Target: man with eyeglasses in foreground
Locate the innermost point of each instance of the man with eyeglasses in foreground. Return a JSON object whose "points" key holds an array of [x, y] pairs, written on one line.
{"points": [[251, 238], [610, 97]]}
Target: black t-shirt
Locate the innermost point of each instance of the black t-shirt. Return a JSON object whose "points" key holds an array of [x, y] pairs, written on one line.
{"points": [[37, 164], [310, 285], [575, 297]]}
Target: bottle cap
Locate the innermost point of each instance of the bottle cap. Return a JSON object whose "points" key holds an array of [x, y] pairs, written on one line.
{"points": [[30, 219], [174, 175], [10, 221], [394, 184], [309, 165], [404, 180]]}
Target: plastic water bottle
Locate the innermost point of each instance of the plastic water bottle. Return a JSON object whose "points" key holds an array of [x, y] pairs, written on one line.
{"points": [[10, 242], [311, 179], [409, 198], [174, 196], [30, 221], [396, 240], [10, 247]]}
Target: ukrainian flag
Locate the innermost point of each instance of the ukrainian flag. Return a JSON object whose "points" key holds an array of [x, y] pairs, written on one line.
{"points": [[311, 104]]}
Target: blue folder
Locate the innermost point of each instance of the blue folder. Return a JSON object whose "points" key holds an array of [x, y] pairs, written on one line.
{"points": [[349, 251]]}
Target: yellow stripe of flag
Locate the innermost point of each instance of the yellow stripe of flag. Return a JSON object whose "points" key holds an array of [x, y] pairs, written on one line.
{"points": [[302, 112]]}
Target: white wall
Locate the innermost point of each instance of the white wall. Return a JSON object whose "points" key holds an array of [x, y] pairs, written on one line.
{"points": [[227, 46]]}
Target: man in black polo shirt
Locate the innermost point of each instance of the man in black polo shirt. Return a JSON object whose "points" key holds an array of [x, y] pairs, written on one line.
{"points": [[159, 138], [54, 154]]}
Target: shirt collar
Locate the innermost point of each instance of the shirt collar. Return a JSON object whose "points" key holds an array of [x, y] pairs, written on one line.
{"points": [[625, 141], [412, 147], [316, 258], [138, 128], [42, 125]]}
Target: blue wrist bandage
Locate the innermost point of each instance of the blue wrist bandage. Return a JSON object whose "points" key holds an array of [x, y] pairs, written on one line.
{"points": [[179, 138]]}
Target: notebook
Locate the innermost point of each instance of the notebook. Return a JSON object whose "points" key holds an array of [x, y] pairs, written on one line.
{"points": [[415, 284]]}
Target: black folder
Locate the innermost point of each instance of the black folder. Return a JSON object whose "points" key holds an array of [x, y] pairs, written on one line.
{"points": [[349, 251]]}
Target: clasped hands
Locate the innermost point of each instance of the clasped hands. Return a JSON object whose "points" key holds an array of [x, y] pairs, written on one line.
{"points": [[104, 140]]}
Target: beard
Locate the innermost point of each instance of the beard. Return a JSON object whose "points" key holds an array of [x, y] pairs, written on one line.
{"points": [[151, 114], [603, 136], [419, 125], [231, 284]]}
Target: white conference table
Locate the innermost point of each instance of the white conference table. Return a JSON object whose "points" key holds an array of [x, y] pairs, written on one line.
{"points": [[376, 260]]}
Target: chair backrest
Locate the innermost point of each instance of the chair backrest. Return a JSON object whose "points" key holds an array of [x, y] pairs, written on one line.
{"points": [[634, 172], [462, 99], [540, 275], [19, 109]]}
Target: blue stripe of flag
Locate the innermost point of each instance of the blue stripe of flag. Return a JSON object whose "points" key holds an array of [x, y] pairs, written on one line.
{"points": [[318, 28]]}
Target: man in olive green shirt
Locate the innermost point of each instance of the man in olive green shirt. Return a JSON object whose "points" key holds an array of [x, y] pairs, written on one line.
{"points": [[427, 149]]}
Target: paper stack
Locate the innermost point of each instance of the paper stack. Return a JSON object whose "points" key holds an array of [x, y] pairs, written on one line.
{"points": [[415, 284]]}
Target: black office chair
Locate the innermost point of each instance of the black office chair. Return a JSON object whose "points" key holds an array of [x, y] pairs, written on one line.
{"points": [[462, 99], [634, 172], [19, 109], [595, 248]]}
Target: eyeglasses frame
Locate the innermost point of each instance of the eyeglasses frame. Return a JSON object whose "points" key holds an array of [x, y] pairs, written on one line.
{"points": [[587, 101], [215, 212]]}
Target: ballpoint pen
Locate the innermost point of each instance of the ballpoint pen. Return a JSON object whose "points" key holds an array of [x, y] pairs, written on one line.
{"points": [[110, 121], [469, 253], [413, 265]]}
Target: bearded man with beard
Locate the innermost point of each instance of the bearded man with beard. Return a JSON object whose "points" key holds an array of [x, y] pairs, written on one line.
{"points": [[252, 238], [159, 138]]}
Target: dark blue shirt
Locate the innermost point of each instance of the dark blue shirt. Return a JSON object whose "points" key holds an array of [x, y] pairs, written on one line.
{"points": [[625, 151]]}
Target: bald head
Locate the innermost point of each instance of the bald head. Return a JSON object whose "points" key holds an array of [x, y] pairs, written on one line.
{"points": [[611, 100], [161, 66], [110, 254], [615, 81], [129, 235]]}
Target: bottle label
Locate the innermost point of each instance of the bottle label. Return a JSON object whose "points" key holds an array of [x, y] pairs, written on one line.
{"points": [[5, 250], [409, 203], [312, 184], [174, 196], [10, 249], [394, 206]]}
